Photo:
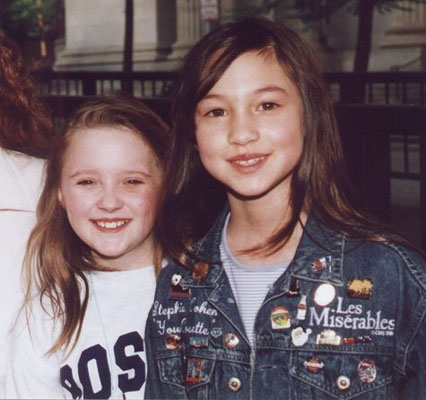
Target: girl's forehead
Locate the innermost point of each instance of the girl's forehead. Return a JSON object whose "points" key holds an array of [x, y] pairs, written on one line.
{"points": [[220, 59], [108, 153], [85, 144], [266, 55], [253, 71], [83, 136]]}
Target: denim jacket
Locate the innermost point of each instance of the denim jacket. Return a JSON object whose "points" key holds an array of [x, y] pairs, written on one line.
{"points": [[346, 320]]}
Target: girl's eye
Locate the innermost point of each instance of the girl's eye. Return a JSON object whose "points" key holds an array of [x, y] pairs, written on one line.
{"points": [[217, 112], [134, 182], [85, 182], [268, 106]]}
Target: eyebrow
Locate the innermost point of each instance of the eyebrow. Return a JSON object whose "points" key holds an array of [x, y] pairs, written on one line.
{"points": [[90, 172], [266, 89]]}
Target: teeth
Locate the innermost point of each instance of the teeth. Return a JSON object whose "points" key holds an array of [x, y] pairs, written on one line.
{"points": [[246, 163], [110, 225]]}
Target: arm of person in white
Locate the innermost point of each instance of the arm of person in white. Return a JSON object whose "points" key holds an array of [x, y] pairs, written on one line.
{"points": [[30, 372]]}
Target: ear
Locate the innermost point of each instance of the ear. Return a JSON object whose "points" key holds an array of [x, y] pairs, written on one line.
{"points": [[60, 197]]}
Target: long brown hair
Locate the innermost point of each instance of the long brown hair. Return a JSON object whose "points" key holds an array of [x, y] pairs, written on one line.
{"points": [[56, 257], [319, 184], [25, 124]]}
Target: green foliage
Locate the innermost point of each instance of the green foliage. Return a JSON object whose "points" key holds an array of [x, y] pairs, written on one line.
{"points": [[311, 10], [24, 18]]}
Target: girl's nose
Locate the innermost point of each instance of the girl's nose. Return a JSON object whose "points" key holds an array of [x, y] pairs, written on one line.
{"points": [[242, 130], [110, 200]]}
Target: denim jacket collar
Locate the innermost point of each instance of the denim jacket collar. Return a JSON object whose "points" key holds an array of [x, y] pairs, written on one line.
{"points": [[327, 245]]}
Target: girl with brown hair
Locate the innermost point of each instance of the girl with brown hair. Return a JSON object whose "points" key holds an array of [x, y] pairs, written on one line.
{"points": [[92, 258], [291, 292]]}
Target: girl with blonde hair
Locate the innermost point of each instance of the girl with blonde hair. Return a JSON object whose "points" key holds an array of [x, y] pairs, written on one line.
{"points": [[92, 258]]}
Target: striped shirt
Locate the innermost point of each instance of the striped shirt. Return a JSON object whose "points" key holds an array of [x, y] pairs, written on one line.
{"points": [[250, 284]]}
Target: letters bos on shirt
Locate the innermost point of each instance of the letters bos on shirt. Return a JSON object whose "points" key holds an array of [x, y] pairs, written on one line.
{"points": [[94, 374]]}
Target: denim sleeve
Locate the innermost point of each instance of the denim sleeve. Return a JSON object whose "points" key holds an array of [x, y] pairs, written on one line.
{"points": [[415, 384], [152, 387], [411, 344], [156, 386]]}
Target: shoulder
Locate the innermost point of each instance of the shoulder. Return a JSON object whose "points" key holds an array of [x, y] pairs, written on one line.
{"points": [[23, 163], [23, 176], [393, 259]]}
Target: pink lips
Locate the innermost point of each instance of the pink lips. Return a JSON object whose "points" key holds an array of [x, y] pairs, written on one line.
{"points": [[248, 163], [110, 225]]}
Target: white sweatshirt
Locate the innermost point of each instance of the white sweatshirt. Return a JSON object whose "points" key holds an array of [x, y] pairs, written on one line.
{"points": [[20, 182], [109, 359]]}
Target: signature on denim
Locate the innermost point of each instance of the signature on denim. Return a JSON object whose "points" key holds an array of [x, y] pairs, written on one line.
{"points": [[162, 314]]}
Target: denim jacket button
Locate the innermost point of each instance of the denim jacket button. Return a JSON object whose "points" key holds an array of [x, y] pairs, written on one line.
{"points": [[343, 382], [234, 384]]}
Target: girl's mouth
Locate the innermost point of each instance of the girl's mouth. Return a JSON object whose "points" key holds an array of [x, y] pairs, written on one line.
{"points": [[251, 161], [110, 224], [248, 163]]}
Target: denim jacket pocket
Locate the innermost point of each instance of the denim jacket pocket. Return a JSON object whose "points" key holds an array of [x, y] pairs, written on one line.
{"points": [[170, 367], [337, 372]]}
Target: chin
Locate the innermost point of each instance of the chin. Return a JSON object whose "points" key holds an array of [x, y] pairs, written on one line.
{"points": [[247, 194], [110, 254]]}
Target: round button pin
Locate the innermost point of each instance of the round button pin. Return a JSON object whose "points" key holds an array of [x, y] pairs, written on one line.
{"points": [[173, 342], [324, 294], [234, 384], [230, 340], [367, 371], [343, 382]]}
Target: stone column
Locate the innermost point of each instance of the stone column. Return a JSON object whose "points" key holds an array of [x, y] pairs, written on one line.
{"points": [[188, 27], [154, 33], [94, 35]]}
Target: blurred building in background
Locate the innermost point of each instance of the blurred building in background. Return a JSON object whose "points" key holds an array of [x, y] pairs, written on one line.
{"points": [[164, 30]]}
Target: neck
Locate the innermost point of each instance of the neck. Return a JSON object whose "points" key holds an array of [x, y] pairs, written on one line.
{"points": [[253, 222], [133, 260]]}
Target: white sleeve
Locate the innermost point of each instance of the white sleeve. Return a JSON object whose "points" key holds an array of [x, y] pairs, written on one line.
{"points": [[30, 373]]}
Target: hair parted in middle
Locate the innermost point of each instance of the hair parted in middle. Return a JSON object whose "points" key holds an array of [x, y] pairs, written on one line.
{"points": [[56, 257], [319, 183]]}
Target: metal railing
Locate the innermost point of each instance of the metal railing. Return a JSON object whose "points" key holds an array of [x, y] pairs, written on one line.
{"points": [[400, 88], [385, 146], [392, 88], [142, 84]]}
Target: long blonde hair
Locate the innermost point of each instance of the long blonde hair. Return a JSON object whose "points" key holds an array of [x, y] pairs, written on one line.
{"points": [[56, 258]]}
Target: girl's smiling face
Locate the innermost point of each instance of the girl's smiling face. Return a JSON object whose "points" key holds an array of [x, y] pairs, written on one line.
{"points": [[110, 186], [249, 128]]}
